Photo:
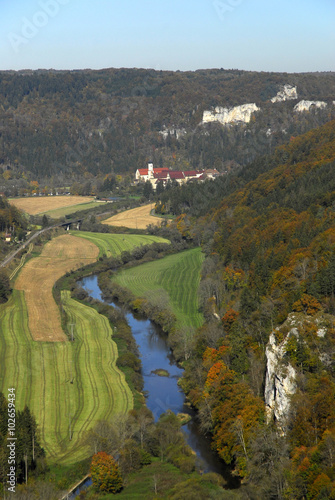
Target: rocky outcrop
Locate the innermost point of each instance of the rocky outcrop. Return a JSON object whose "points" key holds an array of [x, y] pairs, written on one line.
{"points": [[287, 93], [177, 132], [280, 381], [230, 115], [314, 332], [307, 105]]}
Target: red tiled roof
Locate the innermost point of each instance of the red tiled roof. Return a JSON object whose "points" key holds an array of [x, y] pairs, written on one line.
{"points": [[176, 175], [191, 173], [145, 171], [160, 170], [160, 175]]}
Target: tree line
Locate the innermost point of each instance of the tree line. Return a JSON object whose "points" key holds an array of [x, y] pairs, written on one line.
{"points": [[74, 123]]}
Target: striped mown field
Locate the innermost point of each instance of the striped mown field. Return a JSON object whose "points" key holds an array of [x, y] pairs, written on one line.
{"points": [[115, 244], [68, 386], [178, 275]]}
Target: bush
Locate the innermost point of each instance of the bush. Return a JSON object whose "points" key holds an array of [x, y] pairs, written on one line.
{"points": [[129, 359]]}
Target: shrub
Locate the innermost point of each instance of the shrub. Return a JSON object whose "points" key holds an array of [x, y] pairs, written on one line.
{"points": [[129, 359]]}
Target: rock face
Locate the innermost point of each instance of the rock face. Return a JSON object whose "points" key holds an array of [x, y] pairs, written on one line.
{"points": [[306, 105], [230, 115], [177, 132], [280, 381], [287, 93]]}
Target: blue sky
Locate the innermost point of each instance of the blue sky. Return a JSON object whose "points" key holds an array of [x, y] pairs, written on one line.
{"points": [[272, 35]]}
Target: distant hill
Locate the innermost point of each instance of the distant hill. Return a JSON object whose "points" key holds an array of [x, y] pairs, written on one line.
{"points": [[77, 122]]}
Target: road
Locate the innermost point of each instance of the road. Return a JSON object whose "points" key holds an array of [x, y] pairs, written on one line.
{"points": [[11, 256]]}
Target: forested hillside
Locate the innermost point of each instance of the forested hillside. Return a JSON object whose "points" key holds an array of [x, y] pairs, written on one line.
{"points": [[75, 123], [270, 249]]}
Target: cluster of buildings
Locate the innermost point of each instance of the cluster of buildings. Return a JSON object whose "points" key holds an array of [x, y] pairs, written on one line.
{"points": [[164, 175]]}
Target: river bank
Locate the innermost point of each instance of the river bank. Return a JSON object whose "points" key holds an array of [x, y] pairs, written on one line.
{"points": [[164, 393]]}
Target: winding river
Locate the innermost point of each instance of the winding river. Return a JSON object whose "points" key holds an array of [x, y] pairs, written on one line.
{"points": [[163, 393]]}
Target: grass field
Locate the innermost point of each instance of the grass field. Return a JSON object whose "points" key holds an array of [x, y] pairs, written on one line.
{"points": [[36, 279], [42, 373], [52, 204], [115, 244], [68, 386], [178, 275], [136, 218], [62, 212]]}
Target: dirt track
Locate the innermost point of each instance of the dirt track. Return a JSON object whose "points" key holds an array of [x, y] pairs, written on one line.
{"points": [[136, 218], [60, 255]]}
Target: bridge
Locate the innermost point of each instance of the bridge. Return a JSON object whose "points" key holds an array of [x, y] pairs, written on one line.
{"points": [[70, 223]]}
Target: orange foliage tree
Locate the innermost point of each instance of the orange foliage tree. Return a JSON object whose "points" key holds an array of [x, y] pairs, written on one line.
{"points": [[236, 412], [229, 319], [105, 473], [307, 304]]}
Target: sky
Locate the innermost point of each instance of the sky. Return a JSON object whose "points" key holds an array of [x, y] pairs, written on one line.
{"points": [[259, 35]]}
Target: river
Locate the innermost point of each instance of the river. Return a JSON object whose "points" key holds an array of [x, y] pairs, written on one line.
{"points": [[163, 393]]}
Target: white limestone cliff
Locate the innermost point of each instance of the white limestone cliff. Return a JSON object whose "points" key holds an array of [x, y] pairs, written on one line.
{"points": [[287, 93], [280, 381], [230, 115], [307, 105], [178, 132]]}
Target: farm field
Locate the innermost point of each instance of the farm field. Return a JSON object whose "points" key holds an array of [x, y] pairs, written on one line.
{"points": [[52, 204], [68, 386], [62, 212], [115, 244], [37, 277], [136, 218], [42, 372], [178, 275]]}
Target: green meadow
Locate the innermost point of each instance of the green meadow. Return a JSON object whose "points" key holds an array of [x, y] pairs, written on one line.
{"points": [[63, 211], [178, 275], [68, 386], [114, 244]]}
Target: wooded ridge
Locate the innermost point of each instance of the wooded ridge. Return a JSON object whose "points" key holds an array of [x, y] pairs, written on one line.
{"points": [[75, 123]]}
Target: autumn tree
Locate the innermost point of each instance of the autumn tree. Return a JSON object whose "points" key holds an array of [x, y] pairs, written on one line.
{"points": [[235, 413], [229, 319], [105, 473], [307, 304]]}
